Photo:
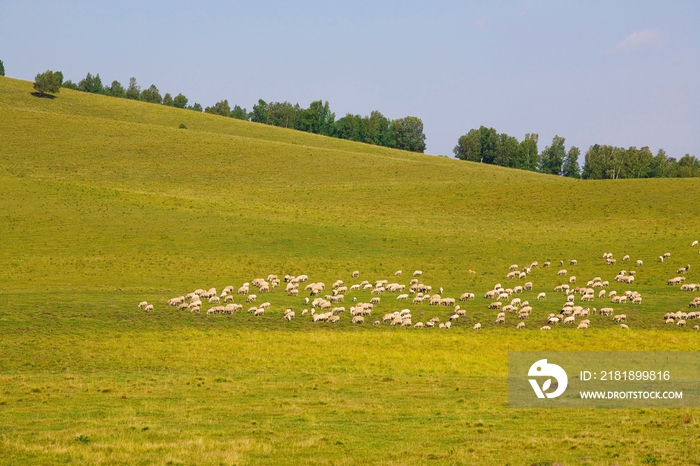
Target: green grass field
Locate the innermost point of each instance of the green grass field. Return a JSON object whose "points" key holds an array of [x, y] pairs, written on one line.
{"points": [[107, 202]]}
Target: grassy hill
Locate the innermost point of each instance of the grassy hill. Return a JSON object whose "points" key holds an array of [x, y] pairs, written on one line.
{"points": [[107, 202]]}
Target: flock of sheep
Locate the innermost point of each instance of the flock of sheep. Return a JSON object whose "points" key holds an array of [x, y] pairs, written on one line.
{"points": [[325, 306]]}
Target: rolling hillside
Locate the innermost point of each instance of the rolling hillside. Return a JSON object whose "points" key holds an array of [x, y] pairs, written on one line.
{"points": [[107, 202]]}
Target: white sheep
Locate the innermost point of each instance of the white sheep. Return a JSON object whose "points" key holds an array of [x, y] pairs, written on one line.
{"points": [[623, 326], [477, 326], [358, 320], [417, 273], [546, 327], [148, 308], [520, 325], [143, 304], [541, 296]]}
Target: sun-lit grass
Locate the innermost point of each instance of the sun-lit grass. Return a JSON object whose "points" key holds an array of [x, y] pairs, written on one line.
{"points": [[107, 202]]}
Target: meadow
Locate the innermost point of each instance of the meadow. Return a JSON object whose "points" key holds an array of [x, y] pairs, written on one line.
{"points": [[107, 202]]}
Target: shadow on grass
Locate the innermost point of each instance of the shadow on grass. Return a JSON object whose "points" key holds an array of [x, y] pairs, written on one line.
{"points": [[43, 96]]}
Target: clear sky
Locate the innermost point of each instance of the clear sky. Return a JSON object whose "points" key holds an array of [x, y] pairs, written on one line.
{"points": [[624, 73]]}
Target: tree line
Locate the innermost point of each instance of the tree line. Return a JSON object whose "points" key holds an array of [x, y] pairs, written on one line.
{"points": [[403, 133], [486, 145]]}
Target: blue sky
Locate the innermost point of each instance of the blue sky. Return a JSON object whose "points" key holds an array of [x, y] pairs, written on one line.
{"points": [[624, 73]]}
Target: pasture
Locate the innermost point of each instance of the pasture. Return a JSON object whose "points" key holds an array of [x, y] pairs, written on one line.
{"points": [[106, 202]]}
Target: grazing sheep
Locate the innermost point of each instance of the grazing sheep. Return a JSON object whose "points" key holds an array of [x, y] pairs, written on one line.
{"points": [[148, 308], [448, 324], [356, 274], [546, 264], [541, 296], [143, 304], [619, 318], [623, 326], [562, 272], [570, 320], [417, 273], [520, 325], [681, 323], [251, 298], [582, 325], [573, 262], [553, 320], [495, 305], [419, 325], [477, 326], [546, 327], [625, 258], [398, 273]]}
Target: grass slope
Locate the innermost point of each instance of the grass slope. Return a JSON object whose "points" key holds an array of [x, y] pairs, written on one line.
{"points": [[106, 202]]}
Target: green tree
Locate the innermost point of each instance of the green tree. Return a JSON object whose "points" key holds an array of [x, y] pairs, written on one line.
{"points": [[168, 100], [115, 89], [196, 107], [151, 95], [70, 85], [133, 92], [48, 82], [637, 163], [407, 134], [571, 167], [180, 101], [661, 165], [552, 157], [220, 108], [283, 114], [92, 84], [529, 151], [2, 68], [349, 127], [469, 147], [376, 129], [239, 113], [259, 113], [507, 151], [688, 166], [317, 119]]}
